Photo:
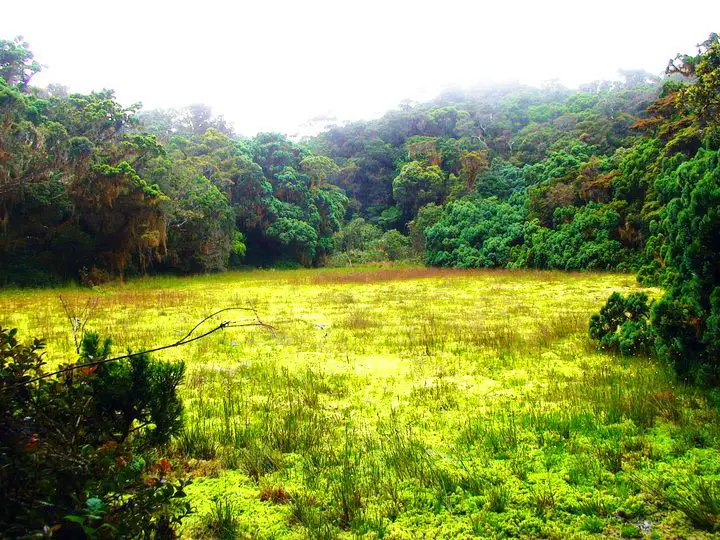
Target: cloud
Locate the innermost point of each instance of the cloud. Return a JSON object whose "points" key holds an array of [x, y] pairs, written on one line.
{"points": [[269, 65]]}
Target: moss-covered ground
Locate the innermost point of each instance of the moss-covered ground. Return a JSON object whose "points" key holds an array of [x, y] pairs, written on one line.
{"points": [[411, 403]]}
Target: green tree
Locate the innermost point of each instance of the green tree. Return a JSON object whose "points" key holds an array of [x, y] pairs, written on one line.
{"points": [[687, 318], [319, 169], [476, 233], [623, 325], [17, 65], [426, 217], [357, 234], [417, 185], [473, 163], [395, 245], [297, 236]]}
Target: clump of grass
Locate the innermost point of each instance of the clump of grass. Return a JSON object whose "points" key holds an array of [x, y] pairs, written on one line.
{"points": [[373, 525], [543, 498], [360, 319], [521, 465], [700, 502], [592, 524], [478, 523], [306, 511], [475, 478], [346, 483], [197, 441], [628, 530], [582, 468], [274, 494], [562, 421], [497, 498], [495, 337], [698, 499], [611, 454], [638, 394], [290, 425], [429, 337], [555, 327], [439, 394], [499, 433], [221, 522], [403, 452], [257, 460], [595, 505]]}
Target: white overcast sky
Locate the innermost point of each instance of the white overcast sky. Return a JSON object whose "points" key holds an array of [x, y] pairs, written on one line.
{"points": [[272, 65]]}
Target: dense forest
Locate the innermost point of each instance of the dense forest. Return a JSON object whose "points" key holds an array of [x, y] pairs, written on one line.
{"points": [[505, 176]]}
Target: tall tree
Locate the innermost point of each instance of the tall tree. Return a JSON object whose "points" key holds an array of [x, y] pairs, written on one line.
{"points": [[17, 64]]}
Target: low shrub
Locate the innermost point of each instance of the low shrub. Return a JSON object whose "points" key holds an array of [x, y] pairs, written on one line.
{"points": [[78, 450], [623, 325]]}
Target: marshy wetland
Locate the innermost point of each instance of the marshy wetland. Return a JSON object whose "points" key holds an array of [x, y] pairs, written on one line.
{"points": [[409, 402]]}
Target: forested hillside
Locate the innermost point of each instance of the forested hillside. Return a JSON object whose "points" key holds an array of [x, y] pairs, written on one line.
{"points": [[505, 176], [90, 188], [546, 178]]}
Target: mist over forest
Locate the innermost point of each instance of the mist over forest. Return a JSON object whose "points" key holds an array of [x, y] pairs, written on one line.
{"points": [[549, 175]]}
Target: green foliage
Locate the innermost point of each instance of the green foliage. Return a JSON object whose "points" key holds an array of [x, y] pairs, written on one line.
{"points": [[623, 325], [395, 245], [417, 185], [390, 217], [583, 238], [82, 185], [221, 522], [237, 248], [82, 443], [687, 318], [427, 216], [501, 180], [16, 62], [476, 233], [548, 149], [297, 236], [135, 392], [195, 119], [356, 235]]}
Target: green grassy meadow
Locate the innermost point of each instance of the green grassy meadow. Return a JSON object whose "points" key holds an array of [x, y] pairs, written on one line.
{"points": [[407, 402]]}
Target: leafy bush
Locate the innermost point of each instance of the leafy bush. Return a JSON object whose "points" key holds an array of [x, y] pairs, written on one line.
{"points": [[297, 236], [622, 324], [76, 449], [476, 233], [417, 185], [358, 242], [582, 239], [426, 217], [395, 245], [357, 235], [237, 248], [687, 318]]}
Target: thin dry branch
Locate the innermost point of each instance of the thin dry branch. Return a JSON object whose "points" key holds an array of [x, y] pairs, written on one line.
{"points": [[188, 338], [78, 322]]}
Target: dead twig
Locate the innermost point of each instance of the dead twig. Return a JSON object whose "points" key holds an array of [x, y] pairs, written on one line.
{"points": [[186, 339], [78, 322]]}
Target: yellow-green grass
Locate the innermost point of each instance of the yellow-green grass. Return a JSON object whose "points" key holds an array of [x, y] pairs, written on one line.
{"points": [[411, 402]]}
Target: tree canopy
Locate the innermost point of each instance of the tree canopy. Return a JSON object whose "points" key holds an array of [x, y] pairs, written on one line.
{"points": [[494, 176]]}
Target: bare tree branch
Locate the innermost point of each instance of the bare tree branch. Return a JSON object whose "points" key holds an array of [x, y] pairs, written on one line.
{"points": [[183, 341], [78, 322]]}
